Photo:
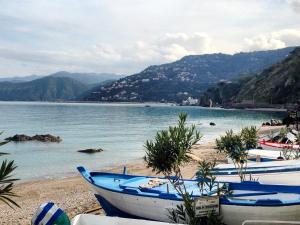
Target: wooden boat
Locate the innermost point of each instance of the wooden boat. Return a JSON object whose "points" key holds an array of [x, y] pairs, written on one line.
{"points": [[286, 172], [130, 196]]}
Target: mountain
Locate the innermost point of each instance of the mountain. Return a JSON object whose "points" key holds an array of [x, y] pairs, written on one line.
{"points": [[88, 78], [19, 79], [187, 77], [44, 89], [278, 84]]}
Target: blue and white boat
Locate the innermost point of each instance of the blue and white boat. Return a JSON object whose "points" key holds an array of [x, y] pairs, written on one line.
{"points": [[286, 172], [132, 196]]}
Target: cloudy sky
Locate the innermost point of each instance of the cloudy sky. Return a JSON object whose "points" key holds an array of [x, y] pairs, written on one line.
{"points": [[125, 36]]}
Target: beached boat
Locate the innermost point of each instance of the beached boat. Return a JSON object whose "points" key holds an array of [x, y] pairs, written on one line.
{"points": [[261, 155], [136, 197], [85, 219], [286, 172], [279, 143], [276, 145]]}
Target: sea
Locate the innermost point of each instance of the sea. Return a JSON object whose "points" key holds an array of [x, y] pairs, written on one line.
{"points": [[121, 130]]}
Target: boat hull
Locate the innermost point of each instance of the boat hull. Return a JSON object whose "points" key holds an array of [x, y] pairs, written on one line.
{"points": [[132, 206]]}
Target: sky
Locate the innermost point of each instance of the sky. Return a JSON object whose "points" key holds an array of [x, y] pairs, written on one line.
{"points": [[125, 36]]}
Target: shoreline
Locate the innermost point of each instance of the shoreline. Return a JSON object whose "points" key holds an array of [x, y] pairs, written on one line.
{"points": [[172, 104], [74, 195]]}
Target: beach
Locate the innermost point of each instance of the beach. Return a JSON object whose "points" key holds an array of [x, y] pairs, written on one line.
{"points": [[74, 195]]}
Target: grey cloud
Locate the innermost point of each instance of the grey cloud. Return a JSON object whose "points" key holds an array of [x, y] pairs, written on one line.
{"points": [[125, 36], [296, 6]]}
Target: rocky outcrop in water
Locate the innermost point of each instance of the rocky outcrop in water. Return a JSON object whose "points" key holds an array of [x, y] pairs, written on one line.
{"points": [[40, 138], [91, 150]]}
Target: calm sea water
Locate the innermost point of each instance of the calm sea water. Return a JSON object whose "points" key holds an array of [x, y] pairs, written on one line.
{"points": [[120, 129]]}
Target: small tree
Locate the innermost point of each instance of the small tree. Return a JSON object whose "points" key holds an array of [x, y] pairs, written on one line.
{"points": [[6, 181], [249, 137], [170, 149], [166, 154], [235, 146]]}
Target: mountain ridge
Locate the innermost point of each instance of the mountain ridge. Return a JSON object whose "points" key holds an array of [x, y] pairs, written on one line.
{"points": [[187, 77], [42, 89], [277, 84], [86, 78]]}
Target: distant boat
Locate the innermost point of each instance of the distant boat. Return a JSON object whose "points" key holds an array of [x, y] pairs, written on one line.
{"points": [[136, 197], [147, 106]]}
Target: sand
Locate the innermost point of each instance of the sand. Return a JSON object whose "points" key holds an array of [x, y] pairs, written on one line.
{"points": [[74, 195]]}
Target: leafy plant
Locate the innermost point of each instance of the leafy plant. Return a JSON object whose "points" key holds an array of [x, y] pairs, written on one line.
{"points": [[235, 146], [187, 213], [249, 137], [166, 154], [169, 149], [7, 182], [205, 176]]}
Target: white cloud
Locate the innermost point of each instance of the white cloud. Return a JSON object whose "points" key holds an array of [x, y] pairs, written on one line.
{"points": [[274, 40], [263, 42], [106, 52], [176, 45], [170, 47]]}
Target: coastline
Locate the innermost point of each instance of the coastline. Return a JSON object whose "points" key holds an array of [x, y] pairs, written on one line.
{"points": [[74, 195], [263, 109]]}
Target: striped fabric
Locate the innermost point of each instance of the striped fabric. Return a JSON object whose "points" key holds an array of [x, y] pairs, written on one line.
{"points": [[49, 214]]}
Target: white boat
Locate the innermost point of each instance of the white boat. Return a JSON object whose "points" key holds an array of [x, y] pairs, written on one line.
{"points": [[286, 172], [85, 219], [264, 154], [129, 196]]}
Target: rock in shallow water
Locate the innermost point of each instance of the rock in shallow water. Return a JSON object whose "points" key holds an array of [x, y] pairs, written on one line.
{"points": [[91, 150], [41, 138]]}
